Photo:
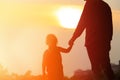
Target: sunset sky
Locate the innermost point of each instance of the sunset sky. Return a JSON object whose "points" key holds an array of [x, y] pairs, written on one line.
{"points": [[24, 25]]}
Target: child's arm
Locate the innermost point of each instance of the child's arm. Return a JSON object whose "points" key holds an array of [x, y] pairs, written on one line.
{"points": [[65, 50], [44, 64], [43, 69], [43, 72]]}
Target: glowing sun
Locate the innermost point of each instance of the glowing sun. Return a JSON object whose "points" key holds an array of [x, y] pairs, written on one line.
{"points": [[68, 17]]}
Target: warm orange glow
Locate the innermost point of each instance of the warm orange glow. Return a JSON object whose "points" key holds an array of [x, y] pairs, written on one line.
{"points": [[68, 16]]}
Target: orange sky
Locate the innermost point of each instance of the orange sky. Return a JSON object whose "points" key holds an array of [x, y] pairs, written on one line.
{"points": [[23, 13], [23, 28]]}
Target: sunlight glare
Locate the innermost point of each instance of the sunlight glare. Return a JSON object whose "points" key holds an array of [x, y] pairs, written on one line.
{"points": [[68, 17]]}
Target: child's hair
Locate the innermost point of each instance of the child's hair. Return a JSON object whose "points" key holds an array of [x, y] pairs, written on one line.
{"points": [[51, 39]]}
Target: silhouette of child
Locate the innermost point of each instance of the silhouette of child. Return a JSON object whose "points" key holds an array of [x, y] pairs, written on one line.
{"points": [[52, 61]]}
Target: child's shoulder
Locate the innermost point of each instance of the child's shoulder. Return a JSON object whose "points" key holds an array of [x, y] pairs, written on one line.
{"points": [[46, 51]]}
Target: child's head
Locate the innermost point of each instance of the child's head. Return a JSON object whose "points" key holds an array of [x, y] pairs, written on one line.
{"points": [[51, 40]]}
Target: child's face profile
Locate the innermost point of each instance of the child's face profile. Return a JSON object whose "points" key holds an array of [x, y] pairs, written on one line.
{"points": [[51, 40]]}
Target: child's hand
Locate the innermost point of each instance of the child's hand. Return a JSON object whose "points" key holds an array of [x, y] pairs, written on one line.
{"points": [[44, 77], [70, 47]]}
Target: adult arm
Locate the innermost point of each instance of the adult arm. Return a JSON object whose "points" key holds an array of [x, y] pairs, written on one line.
{"points": [[80, 27]]}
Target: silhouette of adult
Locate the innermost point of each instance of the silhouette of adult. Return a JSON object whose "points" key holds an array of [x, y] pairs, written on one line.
{"points": [[97, 20]]}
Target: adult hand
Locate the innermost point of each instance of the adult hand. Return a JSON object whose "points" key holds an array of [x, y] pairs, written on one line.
{"points": [[71, 42]]}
